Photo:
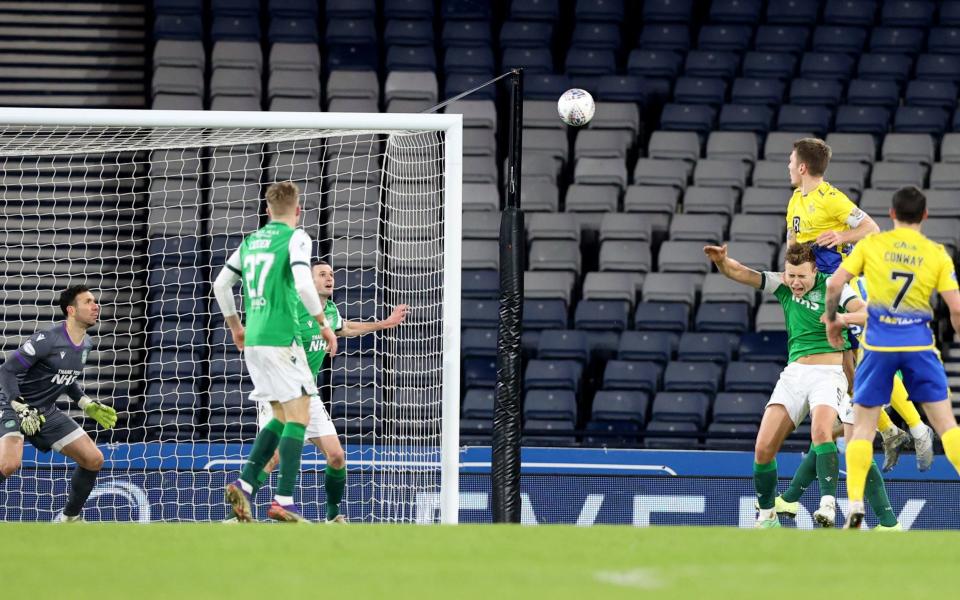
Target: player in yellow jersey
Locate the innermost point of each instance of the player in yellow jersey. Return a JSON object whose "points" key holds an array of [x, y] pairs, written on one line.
{"points": [[902, 268]]}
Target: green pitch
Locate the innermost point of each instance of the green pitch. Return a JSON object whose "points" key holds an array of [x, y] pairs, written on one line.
{"points": [[280, 562]]}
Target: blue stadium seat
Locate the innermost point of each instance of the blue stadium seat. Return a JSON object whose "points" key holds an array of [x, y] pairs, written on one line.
{"points": [[178, 7], [598, 36], [564, 344], [603, 315], [667, 11], [661, 64], [612, 434], [751, 377], [245, 8], [619, 88], [167, 365], [733, 317], [465, 10], [793, 13], [411, 58], [944, 40], [351, 57], [681, 406], [746, 117], [662, 439], [480, 284], [663, 316], [736, 11], [850, 12], [228, 395], [939, 67], [544, 314], [769, 65], [235, 28], [171, 426], [949, 14], [351, 9], [172, 251], [473, 34], [763, 346], [174, 332], [178, 27], [458, 83], [550, 404], [699, 90], [545, 86], [749, 90], [665, 36], [839, 38], [739, 407], [827, 65], [535, 10], [553, 374], [656, 346], [814, 119], [910, 13], [718, 436], [709, 63], [357, 370], [690, 376], [862, 119], [355, 401], [533, 60], [897, 40], [938, 94], [920, 119], [345, 32], [629, 375], [781, 38], [186, 302], [724, 38], [688, 117], [585, 66], [525, 34], [294, 8], [868, 92], [479, 373], [816, 92], [700, 346], [478, 343], [479, 313], [603, 344], [884, 67], [537, 432], [617, 405], [408, 33], [171, 395], [607, 11], [478, 403]]}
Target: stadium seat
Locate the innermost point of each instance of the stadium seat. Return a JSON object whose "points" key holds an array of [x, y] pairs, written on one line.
{"points": [[665, 36], [685, 406], [612, 286], [701, 346], [721, 173], [792, 13], [938, 67], [731, 436], [869, 92], [651, 199], [710, 200], [723, 316], [662, 172], [758, 228], [638, 376], [602, 315], [479, 313], [815, 92], [623, 226], [671, 287], [897, 40], [701, 228], [618, 405], [560, 344], [884, 67], [683, 257], [664, 316], [688, 117], [895, 175], [842, 39], [553, 374], [873, 120], [781, 38], [734, 407], [735, 11], [850, 12], [827, 66], [659, 435], [625, 255], [478, 403], [765, 65], [921, 119], [550, 405], [669, 145], [699, 90], [908, 148], [816, 119], [763, 346], [535, 10], [545, 314], [612, 433], [478, 343], [852, 147], [656, 346], [751, 377], [466, 32], [909, 13], [534, 430]]}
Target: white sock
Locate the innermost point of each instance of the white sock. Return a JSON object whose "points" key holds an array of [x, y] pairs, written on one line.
{"points": [[246, 487], [284, 500], [828, 500], [918, 430], [767, 514]]}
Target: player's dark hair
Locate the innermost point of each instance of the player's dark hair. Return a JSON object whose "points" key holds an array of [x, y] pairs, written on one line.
{"points": [[909, 204], [797, 254], [68, 297], [814, 153]]}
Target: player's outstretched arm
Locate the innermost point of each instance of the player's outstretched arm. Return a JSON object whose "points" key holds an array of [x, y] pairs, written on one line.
{"points": [[732, 269], [105, 416], [355, 328]]}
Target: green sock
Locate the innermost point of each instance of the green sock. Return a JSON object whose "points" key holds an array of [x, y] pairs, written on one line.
{"points": [[334, 480], [765, 481], [828, 468], [263, 448], [261, 477], [291, 446], [806, 473], [876, 495]]}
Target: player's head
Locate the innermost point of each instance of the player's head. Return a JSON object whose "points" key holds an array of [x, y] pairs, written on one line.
{"points": [[77, 302], [322, 278], [283, 200], [810, 158], [800, 269], [909, 206]]}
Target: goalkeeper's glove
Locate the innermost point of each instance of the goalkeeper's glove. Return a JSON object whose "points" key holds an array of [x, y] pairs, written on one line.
{"points": [[30, 419], [105, 415]]}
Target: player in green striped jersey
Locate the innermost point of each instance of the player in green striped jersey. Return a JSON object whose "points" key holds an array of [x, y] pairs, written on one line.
{"points": [[274, 264], [813, 380]]}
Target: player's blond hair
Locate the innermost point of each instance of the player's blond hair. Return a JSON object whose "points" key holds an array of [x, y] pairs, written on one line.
{"points": [[282, 198], [815, 153]]}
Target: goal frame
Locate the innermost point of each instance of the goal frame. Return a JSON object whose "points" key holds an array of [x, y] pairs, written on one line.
{"points": [[452, 127]]}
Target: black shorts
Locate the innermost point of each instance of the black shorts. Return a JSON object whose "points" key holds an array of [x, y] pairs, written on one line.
{"points": [[57, 431]]}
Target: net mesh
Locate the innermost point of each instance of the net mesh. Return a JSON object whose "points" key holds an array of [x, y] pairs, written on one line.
{"points": [[146, 217]]}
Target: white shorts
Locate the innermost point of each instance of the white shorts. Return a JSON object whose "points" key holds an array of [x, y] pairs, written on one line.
{"points": [[846, 410], [801, 387], [320, 424], [279, 374]]}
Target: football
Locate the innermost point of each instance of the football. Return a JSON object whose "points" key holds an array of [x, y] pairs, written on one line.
{"points": [[576, 107]]}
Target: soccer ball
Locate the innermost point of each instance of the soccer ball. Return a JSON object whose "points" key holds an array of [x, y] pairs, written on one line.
{"points": [[576, 107]]}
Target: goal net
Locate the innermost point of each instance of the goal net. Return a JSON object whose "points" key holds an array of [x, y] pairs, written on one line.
{"points": [[144, 207]]}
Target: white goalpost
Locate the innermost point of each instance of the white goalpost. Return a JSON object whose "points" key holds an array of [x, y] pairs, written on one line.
{"points": [[144, 207]]}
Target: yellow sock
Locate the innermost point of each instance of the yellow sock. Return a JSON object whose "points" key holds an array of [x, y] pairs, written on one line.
{"points": [[883, 421], [901, 403], [951, 446], [859, 459]]}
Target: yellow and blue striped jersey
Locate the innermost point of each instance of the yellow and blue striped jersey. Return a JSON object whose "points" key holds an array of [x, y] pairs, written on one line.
{"points": [[824, 209], [901, 268]]}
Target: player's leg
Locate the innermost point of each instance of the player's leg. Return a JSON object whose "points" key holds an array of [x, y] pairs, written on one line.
{"points": [[323, 435], [875, 491], [894, 439], [825, 387], [11, 453], [926, 381], [774, 429], [922, 434], [89, 460], [290, 449], [940, 414]]}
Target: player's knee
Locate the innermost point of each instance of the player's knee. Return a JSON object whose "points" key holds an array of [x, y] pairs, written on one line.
{"points": [[9, 466], [763, 452], [337, 459], [93, 462], [821, 434]]}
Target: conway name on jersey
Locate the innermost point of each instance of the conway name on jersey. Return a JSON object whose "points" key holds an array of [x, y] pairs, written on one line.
{"points": [[902, 268], [825, 208], [805, 332], [44, 368]]}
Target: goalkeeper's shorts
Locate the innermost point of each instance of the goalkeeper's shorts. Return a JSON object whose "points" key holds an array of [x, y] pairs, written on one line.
{"points": [[279, 373], [320, 424], [57, 431]]}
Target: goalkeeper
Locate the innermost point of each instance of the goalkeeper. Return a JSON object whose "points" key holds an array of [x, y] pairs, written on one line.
{"points": [[33, 377], [321, 431]]}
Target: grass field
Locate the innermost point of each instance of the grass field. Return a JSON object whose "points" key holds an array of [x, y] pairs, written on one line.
{"points": [[275, 562]]}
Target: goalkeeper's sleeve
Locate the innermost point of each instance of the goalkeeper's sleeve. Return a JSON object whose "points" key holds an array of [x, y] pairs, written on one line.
{"points": [[223, 285]]}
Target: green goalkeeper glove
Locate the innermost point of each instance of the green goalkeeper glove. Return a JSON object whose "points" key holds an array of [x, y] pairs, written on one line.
{"points": [[30, 420], [105, 415]]}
